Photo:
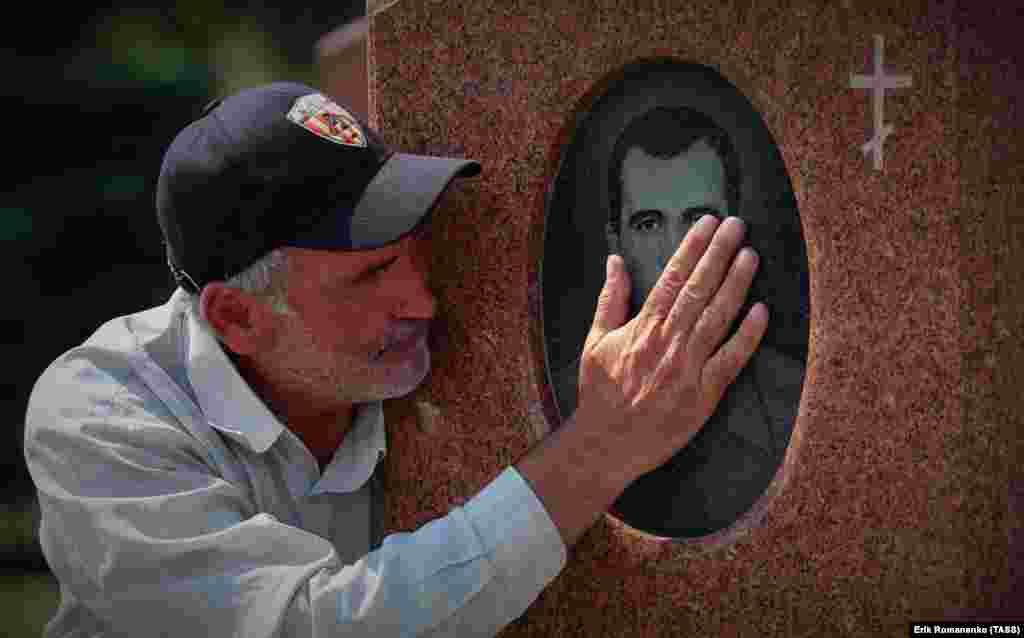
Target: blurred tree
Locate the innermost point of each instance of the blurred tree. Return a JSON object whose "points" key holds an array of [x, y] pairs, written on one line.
{"points": [[98, 95]]}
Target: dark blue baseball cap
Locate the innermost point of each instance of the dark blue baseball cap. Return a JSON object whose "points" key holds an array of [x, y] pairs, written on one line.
{"points": [[286, 165]]}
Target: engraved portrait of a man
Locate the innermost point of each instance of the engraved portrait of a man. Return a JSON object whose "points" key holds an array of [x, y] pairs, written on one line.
{"points": [[669, 168], [663, 168]]}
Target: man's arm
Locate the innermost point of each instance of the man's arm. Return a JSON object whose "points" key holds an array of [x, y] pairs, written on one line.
{"points": [[573, 478], [647, 386]]}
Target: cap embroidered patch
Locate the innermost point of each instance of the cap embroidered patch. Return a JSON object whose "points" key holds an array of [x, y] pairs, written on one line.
{"points": [[318, 114]]}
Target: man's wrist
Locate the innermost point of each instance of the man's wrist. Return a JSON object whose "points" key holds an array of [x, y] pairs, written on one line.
{"points": [[574, 477]]}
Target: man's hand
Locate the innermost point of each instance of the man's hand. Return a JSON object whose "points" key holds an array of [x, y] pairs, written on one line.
{"points": [[647, 387]]}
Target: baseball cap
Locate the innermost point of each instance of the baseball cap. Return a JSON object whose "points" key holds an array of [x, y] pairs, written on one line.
{"points": [[285, 165]]}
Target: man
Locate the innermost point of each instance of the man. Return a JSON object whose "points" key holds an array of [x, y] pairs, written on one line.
{"points": [[186, 491]]}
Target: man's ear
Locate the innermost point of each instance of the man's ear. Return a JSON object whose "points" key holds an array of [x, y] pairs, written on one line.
{"points": [[239, 319]]}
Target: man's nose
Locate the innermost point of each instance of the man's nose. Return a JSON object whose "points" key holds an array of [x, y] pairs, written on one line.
{"points": [[675, 236]]}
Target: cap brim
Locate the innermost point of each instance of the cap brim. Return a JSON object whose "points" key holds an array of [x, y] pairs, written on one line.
{"points": [[404, 190]]}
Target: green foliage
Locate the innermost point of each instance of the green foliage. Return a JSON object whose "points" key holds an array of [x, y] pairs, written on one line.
{"points": [[27, 602], [15, 224]]}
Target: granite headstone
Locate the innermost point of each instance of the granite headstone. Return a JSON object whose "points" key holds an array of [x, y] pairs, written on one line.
{"points": [[898, 495]]}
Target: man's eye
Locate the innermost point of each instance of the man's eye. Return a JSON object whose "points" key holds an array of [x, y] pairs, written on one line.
{"points": [[377, 272], [648, 221], [373, 275]]}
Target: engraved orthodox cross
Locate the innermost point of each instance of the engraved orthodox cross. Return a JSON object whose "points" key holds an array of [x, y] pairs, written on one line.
{"points": [[878, 83]]}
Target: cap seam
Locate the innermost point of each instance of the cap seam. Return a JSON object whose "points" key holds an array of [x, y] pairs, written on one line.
{"points": [[225, 141]]}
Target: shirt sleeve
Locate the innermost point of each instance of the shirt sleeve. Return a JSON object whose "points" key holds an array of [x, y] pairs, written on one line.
{"points": [[140, 529]]}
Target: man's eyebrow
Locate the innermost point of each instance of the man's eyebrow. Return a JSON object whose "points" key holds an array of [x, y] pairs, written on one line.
{"points": [[370, 269], [420, 230], [691, 210]]}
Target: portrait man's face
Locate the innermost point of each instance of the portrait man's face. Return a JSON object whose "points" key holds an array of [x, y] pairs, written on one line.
{"points": [[661, 200]]}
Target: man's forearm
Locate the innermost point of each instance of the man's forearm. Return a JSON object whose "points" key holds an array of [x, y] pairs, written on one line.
{"points": [[573, 477]]}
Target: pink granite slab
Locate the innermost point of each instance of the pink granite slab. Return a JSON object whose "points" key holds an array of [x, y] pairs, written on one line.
{"points": [[902, 492]]}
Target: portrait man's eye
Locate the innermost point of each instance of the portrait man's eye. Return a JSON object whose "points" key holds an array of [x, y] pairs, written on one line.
{"points": [[647, 221]]}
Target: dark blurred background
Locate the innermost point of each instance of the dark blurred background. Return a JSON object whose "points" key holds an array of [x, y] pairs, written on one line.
{"points": [[91, 99]]}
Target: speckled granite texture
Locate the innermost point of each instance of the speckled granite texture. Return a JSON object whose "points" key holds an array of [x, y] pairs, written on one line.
{"points": [[902, 492]]}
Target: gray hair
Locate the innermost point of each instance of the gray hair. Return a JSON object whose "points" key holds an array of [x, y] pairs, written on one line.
{"points": [[265, 278]]}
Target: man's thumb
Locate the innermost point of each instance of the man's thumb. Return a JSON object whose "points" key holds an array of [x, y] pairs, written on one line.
{"points": [[612, 304]]}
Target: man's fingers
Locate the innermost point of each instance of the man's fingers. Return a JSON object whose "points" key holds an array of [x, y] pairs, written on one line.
{"points": [[714, 322], [672, 280], [702, 285], [613, 302], [723, 368]]}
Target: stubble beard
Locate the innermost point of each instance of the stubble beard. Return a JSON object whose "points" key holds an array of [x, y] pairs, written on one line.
{"points": [[399, 377]]}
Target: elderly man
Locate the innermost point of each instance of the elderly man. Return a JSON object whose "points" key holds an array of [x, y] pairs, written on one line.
{"points": [[204, 468]]}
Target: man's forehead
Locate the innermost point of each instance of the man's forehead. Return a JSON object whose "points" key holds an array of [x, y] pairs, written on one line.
{"points": [[682, 180], [699, 160], [335, 264]]}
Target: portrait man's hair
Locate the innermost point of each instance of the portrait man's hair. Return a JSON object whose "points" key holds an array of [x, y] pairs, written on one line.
{"points": [[667, 132]]}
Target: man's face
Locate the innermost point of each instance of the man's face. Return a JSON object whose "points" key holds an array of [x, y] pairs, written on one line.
{"points": [[348, 307], [661, 200]]}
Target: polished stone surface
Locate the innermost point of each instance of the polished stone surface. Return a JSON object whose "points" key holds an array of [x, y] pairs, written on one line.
{"points": [[900, 493]]}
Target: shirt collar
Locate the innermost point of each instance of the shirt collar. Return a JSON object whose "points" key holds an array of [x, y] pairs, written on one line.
{"points": [[226, 400], [358, 455], [231, 406]]}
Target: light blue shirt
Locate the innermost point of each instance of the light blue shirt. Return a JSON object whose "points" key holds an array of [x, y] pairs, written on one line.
{"points": [[174, 503]]}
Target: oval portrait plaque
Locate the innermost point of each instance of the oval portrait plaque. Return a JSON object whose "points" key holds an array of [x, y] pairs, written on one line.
{"points": [[665, 144]]}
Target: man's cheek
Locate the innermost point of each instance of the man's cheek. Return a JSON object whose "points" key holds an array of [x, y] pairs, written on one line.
{"points": [[646, 284]]}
